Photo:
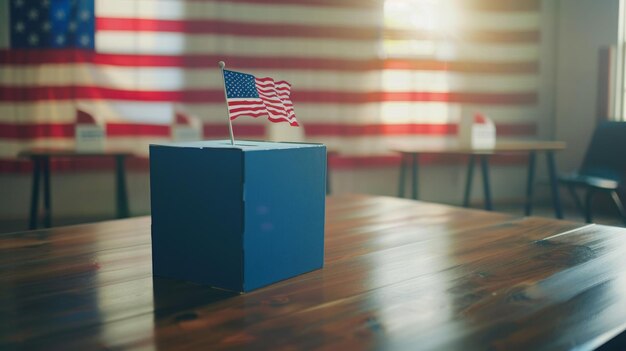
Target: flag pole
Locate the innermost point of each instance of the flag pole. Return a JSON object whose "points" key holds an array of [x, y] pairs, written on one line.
{"points": [[230, 122]]}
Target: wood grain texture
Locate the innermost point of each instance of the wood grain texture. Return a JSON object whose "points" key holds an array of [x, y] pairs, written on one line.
{"points": [[399, 275], [501, 147], [61, 152]]}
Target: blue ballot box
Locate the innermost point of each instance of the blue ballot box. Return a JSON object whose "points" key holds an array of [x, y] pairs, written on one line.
{"points": [[237, 217]]}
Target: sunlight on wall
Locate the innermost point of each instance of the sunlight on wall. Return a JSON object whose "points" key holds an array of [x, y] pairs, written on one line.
{"points": [[421, 30]]}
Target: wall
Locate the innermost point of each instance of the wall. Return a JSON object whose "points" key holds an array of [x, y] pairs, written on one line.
{"points": [[92, 194], [567, 103], [75, 195], [583, 28]]}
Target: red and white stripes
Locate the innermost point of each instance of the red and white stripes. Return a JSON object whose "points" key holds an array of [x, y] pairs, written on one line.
{"points": [[275, 97], [348, 91]]}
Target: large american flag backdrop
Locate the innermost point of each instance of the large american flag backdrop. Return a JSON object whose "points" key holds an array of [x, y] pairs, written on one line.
{"points": [[363, 72]]}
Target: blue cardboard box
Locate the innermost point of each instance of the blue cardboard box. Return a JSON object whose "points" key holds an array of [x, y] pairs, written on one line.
{"points": [[237, 217]]}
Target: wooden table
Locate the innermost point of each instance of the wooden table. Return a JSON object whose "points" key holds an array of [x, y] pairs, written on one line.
{"points": [[41, 164], [410, 154], [399, 275]]}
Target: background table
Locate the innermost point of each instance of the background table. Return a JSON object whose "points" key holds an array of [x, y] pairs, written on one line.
{"points": [[410, 154], [399, 275], [41, 164]]}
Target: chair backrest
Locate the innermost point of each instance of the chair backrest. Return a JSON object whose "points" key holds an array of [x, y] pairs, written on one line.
{"points": [[606, 154]]}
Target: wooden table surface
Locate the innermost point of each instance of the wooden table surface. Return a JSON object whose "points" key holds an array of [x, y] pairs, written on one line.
{"points": [[399, 275], [69, 152], [513, 146]]}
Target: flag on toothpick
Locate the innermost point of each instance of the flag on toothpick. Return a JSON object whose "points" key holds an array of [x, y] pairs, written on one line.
{"points": [[477, 131], [183, 118], [84, 117], [89, 133], [480, 118], [258, 97], [185, 127]]}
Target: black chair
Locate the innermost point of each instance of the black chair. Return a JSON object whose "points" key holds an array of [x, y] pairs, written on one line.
{"points": [[603, 169]]}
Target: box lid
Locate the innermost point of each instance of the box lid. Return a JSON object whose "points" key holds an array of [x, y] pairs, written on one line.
{"points": [[243, 145]]}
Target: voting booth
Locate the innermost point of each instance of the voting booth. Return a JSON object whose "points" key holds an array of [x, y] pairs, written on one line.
{"points": [[89, 132], [477, 132]]}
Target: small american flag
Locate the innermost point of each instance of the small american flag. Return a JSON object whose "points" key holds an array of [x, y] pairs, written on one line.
{"points": [[258, 97], [84, 117]]}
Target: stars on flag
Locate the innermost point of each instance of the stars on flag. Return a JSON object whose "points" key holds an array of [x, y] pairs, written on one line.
{"points": [[33, 14], [45, 24], [33, 39], [240, 85], [20, 27], [84, 15], [60, 14], [85, 40]]}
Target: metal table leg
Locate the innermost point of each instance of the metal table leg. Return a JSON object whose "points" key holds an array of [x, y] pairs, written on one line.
{"points": [[556, 200], [402, 176], [414, 175], [120, 180], [484, 164], [469, 178], [530, 181], [34, 200], [327, 176], [47, 211]]}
